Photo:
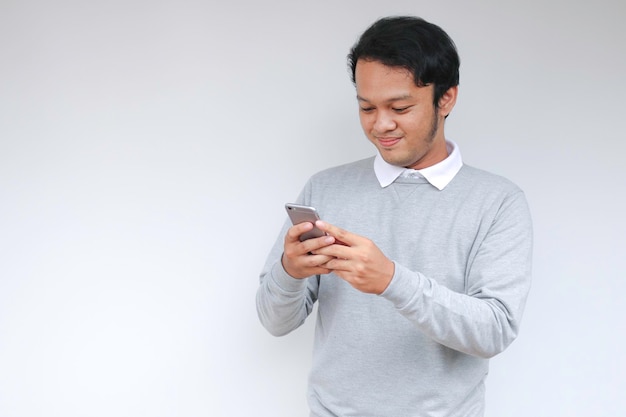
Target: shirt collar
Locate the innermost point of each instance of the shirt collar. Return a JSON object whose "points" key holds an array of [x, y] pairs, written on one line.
{"points": [[438, 175]]}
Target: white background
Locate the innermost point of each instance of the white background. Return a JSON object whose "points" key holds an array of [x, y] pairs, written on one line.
{"points": [[147, 149]]}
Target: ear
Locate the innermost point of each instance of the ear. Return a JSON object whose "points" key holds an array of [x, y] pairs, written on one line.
{"points": [[448, 100]]}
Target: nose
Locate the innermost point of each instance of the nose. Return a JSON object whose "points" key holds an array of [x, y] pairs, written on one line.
{"points": [[384, 122]]}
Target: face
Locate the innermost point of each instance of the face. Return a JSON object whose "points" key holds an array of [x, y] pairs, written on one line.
{"points": [[399, 118]]}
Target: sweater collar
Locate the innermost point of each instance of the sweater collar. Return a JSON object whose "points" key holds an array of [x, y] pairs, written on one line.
{"points": [[438, 175]]}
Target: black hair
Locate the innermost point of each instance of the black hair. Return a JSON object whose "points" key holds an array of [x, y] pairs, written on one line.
{"points": [[424, 49]]}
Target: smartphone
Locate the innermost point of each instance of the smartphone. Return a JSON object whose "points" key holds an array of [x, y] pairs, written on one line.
{"points": [[300, 214]]}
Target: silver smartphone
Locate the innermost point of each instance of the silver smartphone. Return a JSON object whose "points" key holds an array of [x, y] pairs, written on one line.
{"points": [[300, 214]]}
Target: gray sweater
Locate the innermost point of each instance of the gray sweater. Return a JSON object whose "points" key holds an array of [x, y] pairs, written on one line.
{"points": [[462, 273]]}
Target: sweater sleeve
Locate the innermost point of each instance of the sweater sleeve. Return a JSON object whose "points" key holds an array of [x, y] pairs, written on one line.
{"points": [[484, 319], [283, 302]]}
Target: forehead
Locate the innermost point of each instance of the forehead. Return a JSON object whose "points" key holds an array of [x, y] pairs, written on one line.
{"points": [[376, 81]]}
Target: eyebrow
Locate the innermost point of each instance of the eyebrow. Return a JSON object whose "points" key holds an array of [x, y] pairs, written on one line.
{"points": [[389, 100]]}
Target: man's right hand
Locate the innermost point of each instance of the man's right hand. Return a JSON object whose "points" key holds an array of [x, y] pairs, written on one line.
{"points": [[298, 260]]}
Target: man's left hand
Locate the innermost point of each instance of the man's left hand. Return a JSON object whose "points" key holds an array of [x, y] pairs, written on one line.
{"points": [[357, 260]]}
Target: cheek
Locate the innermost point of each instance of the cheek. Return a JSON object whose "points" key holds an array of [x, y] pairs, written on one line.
{"points": [[417, 124]]}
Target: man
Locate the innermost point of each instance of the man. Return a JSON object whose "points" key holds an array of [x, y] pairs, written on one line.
{"points": [[425, 269]]}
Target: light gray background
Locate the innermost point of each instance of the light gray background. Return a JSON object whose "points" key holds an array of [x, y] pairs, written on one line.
{"points": [[147, 149]]}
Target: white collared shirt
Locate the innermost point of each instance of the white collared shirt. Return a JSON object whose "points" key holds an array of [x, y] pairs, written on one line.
{"points": [[439, 175]]}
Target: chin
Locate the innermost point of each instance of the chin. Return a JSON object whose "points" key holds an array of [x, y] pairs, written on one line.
{"points": [[397, 161]]}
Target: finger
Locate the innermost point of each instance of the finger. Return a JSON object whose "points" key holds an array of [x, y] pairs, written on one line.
{"points": [[318, 261], [312, 245], [338, 233], [340, 251], [295, 248], [338, 265], [294, 232], [305, 266]]}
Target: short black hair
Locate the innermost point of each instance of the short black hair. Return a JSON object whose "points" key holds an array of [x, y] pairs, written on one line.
{"points": [[422, 48]]}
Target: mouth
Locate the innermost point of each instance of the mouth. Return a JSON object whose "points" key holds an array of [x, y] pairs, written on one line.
{"points": [[388, 142]]}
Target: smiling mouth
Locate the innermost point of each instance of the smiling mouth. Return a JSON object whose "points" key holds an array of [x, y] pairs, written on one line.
{"points": [[388, 142]]}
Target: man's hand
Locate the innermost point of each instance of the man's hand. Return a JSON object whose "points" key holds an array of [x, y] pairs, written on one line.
{"points": [[299, 258], [356, 259]]}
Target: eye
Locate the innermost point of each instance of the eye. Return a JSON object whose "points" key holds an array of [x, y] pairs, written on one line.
{"points": [[401, 109], [366, 109]]}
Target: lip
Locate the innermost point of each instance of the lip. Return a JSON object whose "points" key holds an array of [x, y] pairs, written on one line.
{"points": [[388, 142]]}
